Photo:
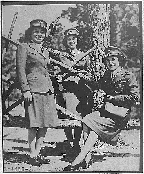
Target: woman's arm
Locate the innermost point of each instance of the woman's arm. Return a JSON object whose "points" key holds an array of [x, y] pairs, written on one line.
{"points": [[131, 92], [21, 65]]}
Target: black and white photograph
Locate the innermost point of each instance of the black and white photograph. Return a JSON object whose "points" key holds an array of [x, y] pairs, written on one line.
{"points": [[71, 86]]}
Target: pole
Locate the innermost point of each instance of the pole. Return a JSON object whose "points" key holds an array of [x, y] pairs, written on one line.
{"points": [[6, 49], [12, 25]]}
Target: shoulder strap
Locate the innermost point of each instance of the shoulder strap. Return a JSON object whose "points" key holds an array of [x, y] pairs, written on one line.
{"points": [[30, 46]]}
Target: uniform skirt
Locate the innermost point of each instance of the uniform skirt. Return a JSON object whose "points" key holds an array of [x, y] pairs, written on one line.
{"points": [[106, 125], [41, 112]]}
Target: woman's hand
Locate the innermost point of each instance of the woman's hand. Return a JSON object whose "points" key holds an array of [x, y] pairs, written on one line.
{"points": [[59, 78], [56, 70], [27, 96], [109, 97]]}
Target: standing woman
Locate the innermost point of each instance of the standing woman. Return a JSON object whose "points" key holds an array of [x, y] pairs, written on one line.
{"points": [[36, 85]]}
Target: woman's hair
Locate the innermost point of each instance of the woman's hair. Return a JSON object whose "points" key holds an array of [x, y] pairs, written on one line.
{"points": [[28, 33]]}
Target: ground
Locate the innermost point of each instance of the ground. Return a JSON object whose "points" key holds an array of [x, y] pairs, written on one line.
{"points": [[15, 147]]}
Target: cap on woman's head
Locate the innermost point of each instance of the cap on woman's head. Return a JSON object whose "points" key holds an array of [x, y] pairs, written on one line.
{"points": [[38, 23], [72, 31], [114, 51], [34, 24]]}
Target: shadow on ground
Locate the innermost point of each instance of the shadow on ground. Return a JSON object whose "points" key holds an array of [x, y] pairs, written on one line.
{"points": [[17, 140], [15, 121], [15, 157], [23, 122]]}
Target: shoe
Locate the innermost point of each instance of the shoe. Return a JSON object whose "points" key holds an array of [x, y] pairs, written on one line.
{"points": [[42, 160], [34, 161], [68, 168], [37, 160], [77, 167], [71, 154]]}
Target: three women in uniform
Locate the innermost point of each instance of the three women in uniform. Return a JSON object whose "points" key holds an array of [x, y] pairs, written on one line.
{"points": [[118, 87]]}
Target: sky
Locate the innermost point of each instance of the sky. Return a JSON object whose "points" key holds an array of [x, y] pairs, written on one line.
{"points": [[26, 13]]}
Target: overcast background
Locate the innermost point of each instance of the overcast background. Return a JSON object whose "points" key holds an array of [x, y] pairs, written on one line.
{"points": [[27, 13]]}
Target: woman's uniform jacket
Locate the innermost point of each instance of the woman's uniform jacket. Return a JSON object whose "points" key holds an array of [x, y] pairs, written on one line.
{"points": [[75, 84], [123, 87], [32, 69], [81, 65]]}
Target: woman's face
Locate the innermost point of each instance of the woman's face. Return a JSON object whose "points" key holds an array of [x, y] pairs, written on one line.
{"points": [[112, 63], [72, 41], [38, 35]]}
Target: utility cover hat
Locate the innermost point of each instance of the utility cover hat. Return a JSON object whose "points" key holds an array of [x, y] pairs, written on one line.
{"points": [[38, 23], [72, 31]]}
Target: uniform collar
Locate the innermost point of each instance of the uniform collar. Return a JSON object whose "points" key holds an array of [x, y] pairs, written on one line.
{"points": [[117, 74], [75, 51], [39, 47], [117, 71]]}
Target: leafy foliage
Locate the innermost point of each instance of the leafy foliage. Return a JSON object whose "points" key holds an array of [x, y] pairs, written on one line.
{"points": [[126, 32], [9, 71]]}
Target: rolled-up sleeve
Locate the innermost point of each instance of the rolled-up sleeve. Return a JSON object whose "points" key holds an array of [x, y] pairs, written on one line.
{"points": [[21, 66]]}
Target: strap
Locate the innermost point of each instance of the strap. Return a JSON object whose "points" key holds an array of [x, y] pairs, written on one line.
{"points": [[37, 51]]}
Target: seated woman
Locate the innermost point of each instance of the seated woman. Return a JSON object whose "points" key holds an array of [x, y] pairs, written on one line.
{"points": [[120, 91]]}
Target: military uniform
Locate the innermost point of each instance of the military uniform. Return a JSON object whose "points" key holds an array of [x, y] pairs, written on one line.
{"points": [[71, 89], [72, 83], [34, 77]]}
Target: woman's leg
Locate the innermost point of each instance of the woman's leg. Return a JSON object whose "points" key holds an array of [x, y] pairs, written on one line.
{"points": [[77, 136], [71, 104], [32, 140], [40, 138], [87, 147], [68, 133]]}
